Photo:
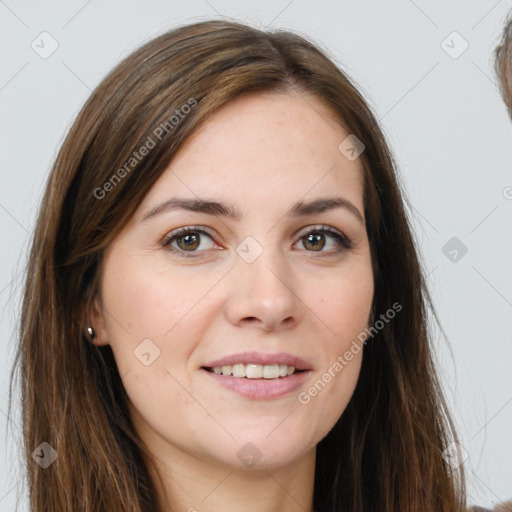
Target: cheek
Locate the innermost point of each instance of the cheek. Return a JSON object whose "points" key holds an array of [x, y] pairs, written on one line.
{"points": [[344, 304], [144, 300], [150, 311], [148, 308]]}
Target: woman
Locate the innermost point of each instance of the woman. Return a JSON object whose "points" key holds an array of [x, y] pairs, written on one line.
{"points": [[222, 237], [503, 64]]}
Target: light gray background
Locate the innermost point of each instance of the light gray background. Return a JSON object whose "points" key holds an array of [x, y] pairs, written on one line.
{"points": [[444, 119]]}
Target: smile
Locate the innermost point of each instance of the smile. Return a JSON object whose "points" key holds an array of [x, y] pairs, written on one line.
{"points": [[258, 375]]}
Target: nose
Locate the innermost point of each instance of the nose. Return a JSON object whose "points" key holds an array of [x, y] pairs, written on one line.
{"points": [[263, 293]]}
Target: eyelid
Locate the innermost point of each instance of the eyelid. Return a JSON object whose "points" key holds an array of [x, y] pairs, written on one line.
{"points": [[316, 227]]}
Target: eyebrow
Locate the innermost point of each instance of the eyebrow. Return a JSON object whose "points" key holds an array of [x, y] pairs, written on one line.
{"points": [[299, 209]]}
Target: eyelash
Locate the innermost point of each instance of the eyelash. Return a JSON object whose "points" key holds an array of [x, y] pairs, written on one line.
{"points": [[344, 243]]}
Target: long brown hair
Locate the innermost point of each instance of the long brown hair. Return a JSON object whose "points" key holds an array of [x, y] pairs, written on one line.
{"points": [[384, 454], [503, 64]]}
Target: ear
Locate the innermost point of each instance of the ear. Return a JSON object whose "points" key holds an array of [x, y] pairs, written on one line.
{"points": [[97, 322]]}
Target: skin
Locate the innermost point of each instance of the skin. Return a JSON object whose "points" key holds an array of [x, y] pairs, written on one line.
{"points": [[290, 299]]}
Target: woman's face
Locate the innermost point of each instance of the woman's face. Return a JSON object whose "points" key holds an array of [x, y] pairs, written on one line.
{"points": [[265, 288]]}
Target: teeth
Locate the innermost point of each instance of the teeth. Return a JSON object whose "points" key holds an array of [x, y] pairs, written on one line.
{"points": [[271, 371], [256, 371], [238, 370]]}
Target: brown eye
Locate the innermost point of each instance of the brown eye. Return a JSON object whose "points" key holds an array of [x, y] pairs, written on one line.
{"points": [[190, 241], [187, 240], [315, 241]]}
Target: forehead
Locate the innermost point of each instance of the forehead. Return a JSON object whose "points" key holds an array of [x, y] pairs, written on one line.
{"points": [[261, 146]]}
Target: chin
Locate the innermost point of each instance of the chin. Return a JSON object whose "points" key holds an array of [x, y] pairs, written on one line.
{"points": [[263, 448]]}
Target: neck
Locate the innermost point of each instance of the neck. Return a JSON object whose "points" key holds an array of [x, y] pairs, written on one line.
{"points": [[195, 485]]}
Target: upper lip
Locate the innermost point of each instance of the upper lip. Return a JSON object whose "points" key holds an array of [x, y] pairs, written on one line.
{"points": [[262, 359]]}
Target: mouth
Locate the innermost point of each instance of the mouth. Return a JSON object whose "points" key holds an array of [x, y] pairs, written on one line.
{"points": [[259, 376], [257, 365]]}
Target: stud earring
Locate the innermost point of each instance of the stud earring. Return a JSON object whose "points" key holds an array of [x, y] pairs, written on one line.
{"points": [[91, 332]]}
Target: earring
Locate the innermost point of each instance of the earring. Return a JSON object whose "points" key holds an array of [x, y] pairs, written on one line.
{"points": [[91, 332]]}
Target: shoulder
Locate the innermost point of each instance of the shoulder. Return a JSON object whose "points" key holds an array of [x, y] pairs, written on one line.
{"points": [[502, 507]]}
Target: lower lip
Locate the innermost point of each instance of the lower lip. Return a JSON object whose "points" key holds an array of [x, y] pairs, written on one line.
{"points": [[261, 389]]}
